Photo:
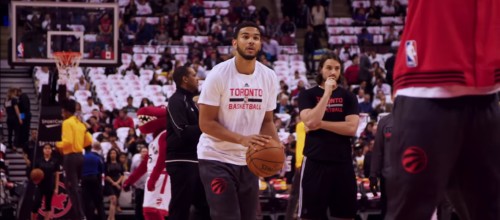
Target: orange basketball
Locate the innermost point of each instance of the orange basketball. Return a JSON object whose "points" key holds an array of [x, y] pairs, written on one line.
{"points": [[36, 175], [267, 160]]}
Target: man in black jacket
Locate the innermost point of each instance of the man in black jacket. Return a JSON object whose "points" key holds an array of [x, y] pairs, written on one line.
{"points": [[183, 134], [25, 110]]}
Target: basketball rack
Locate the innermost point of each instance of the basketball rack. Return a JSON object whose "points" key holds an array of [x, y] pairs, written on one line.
{"points": [[67, 64]]}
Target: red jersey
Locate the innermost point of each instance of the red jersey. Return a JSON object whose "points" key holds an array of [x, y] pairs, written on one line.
{"points": [[449, 47]]}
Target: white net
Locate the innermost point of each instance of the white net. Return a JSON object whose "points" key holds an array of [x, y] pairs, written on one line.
{"points": [[67, 64]]}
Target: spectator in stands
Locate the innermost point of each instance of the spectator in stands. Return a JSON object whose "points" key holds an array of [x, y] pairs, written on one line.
{"points": [[91, 24], [129, 12], [155, 80], [211, 61], [368, 133], [176, 37], [170, 7], [105, 25], [145, 102], [123, 159], [365, 38], [302, 12], [139, 184], [129, 141], [388, 9], [366, 105], [372, 17], [389, 67], [149, 64], [196, 51], [78, 111], [47, 23], [233, 16], [162, 37], [360, 95], [93, 168], [382, 86], [82, 84], [88, 107], [301, 86], [218, 37], [391, 35], [41, 77], [132, 68], [364, 71], [283, 92], [123, 121], [145, 32], [216, 18], [156, 5], [50, 183], [311, 44], [200, 70], [14, 119], [114, 176], [297, 78], [263, 59], [383, 106], [144, 8], [378, 72], [287, 27], [318, 17], [399, 10], [94, 125], [359, 17], [197, 9], [190, 26], [130, 109], [270, 47], [352, 72], [202, 27], [283, 107]]}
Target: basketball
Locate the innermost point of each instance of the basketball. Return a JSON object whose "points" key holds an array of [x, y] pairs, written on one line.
{"points": [[36, 175], [265, 161]]}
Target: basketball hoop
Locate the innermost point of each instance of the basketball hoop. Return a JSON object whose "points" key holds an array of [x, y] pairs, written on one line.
{"points": [[67, 63]]}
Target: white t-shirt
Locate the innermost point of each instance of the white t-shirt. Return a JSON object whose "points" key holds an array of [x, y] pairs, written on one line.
{"points": [[243, 101]]}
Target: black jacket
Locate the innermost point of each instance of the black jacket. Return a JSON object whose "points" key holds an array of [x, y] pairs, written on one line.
{"points": [[183, 131]]}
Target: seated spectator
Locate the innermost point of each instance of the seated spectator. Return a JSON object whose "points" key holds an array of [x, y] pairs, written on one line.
{"points": [[115, 143], [399, 10], [365, 38], [42, 77], [211, 61], [149, 64], [359, 17], [378, 72], [145, 102], [301, 86], [382, 86], [155, 81], [196, 51], [383, 106], [263, 59], [88, 107], [372, 18], [217, 17], [82, 84], [138, 143], [132, 69], [94, 125], [143, 8], [284, 107], [287, 27], [391, 36], [201, 71], [388, 9], [129, 108], [352, 72], [217, 35], [360, 95], [166, 64], [129, 12], [190, 27], [176, 37], [368, 133], [131, 138], [105, 25], [170, 7], [123, 121], [270, 47], [283, 92], [366, 105], [104, 136], [145, 32], [91, 24], [202, 27], [197, 9], [162, 37]]}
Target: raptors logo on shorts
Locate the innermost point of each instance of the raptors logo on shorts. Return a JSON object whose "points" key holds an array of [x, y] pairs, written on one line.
{"points": [[414, 160], [218, 185]]}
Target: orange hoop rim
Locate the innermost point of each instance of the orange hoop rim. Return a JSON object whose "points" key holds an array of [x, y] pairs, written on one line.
{"points": [[66, 60]]}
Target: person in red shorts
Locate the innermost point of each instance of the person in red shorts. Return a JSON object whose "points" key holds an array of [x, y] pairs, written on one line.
{"points": [[446, 140]]}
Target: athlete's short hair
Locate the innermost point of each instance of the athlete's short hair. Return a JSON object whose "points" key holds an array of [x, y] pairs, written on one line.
{"points": [[179, 73], [245, 24]]}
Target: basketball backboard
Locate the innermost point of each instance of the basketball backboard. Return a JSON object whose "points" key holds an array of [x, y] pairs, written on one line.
{"points": [[41, 28]]}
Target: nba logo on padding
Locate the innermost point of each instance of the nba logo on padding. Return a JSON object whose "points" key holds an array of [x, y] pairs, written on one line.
{"points": [[411, 53]]}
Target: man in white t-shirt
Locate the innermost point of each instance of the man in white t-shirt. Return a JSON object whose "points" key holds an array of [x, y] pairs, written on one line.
{"points": [[236, 112]]}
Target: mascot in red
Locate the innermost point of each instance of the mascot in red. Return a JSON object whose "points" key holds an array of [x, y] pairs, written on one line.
{"points": [[157, 194]]}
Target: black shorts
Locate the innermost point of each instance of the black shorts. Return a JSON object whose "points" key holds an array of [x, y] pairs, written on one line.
{"points": [[445, 147], [327, 185]]}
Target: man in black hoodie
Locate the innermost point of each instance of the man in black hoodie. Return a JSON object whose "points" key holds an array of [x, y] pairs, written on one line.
{"points": [[183, 133]]}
